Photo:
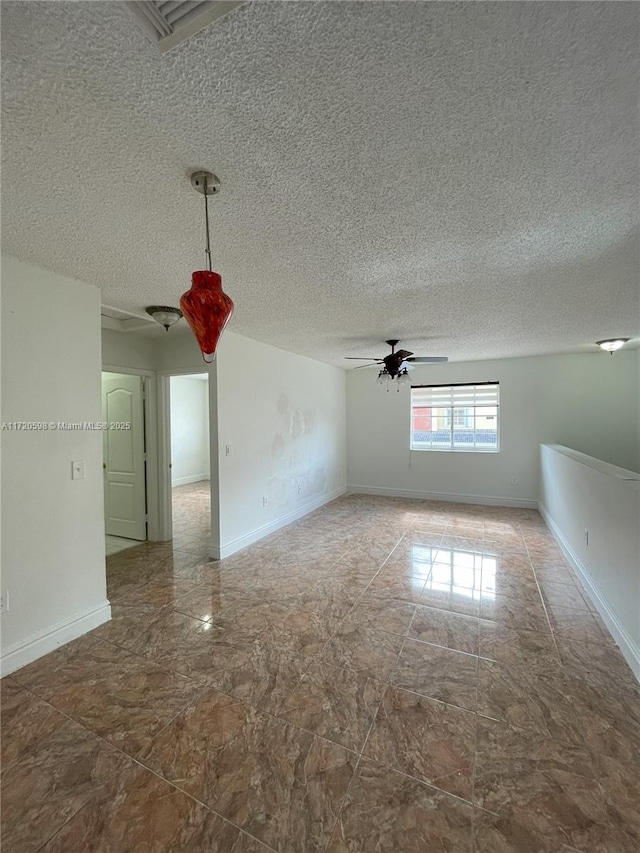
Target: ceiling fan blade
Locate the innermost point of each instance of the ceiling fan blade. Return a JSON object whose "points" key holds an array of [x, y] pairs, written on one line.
{"points": [[362, 358], [427, 359], [403, 354], [360, 366]]}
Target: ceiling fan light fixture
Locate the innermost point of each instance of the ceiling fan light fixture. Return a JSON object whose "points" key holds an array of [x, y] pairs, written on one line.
{"points": [[610, 345], [384, 378], [164, 315], [404, 379], [396, 365]]}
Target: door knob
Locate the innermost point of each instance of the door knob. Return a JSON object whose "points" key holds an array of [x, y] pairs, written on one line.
{"points": [[104, 464]]}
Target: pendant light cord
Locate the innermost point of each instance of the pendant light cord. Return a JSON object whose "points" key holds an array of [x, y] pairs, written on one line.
{"points": [[206, 216]]}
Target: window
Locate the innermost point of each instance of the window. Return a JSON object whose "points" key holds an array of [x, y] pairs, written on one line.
{"points": [[455, 417]]}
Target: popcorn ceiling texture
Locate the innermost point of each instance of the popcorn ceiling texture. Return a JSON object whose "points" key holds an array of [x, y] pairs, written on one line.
{"points": [[461, 176]]}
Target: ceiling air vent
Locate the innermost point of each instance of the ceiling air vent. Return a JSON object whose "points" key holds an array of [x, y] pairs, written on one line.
{"points": [[168, 23]]}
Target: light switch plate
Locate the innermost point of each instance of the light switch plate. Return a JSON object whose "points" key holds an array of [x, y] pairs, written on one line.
{"points": [[78, 470]]}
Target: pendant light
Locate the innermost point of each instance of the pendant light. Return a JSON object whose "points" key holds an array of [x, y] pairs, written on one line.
{"points": [[206, 307]]}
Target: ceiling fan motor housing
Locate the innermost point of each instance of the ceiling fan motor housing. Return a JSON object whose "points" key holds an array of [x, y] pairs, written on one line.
{"points": [[393, 362]]}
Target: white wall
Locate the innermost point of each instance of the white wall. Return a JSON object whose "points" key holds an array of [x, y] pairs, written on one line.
{"points": [[126, 349], [588, 402], [283, 419], [578, 493], [53, 559], [178, 351], [189, 429]]}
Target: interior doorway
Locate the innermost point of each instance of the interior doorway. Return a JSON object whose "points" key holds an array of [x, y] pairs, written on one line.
{"points": [[190, 463], [124, 460]]}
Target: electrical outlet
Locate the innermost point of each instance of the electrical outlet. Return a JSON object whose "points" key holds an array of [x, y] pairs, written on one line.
{"points": [[586, 537], [4, 601], [264, 501], [514, 482], [299, 488], [227, 450]]}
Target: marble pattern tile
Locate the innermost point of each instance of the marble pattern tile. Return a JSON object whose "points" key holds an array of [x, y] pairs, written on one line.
{"points": [[51, 782], [442, 628], [546, 793], [438, 673], [577, 625], [515, 613], [620, 783], [449, 597], [280, 784], [247, 688], [120, 696], [401, 588], [612, 727], [261, 674], [25, 720], [186, 752], [216, 835], [410, 561], [333, 603], [379, 614], [425, 739], [521, 698], [302, 631], [126, 623], [209, 604], [388, 811], [363, 649], [337, 704], [160, 593], [134, 811], [562, 595], [530, 650], [503, 562], [599, 665], [554, 573], [522, 587]]}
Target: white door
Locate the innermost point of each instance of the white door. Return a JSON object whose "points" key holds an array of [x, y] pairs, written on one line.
{"points": [[124, 466]]}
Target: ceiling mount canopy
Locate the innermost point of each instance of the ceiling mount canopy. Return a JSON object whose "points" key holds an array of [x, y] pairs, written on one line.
{"points": [[206, 307]]}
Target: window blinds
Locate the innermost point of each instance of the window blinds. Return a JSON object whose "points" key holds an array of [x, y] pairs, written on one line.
{"points": [[455, 396]]}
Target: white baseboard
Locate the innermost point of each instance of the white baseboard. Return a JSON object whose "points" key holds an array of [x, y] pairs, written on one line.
{"points": [[34, 647], [241, 542], [483, 500], [194, 478], [629, 649]]}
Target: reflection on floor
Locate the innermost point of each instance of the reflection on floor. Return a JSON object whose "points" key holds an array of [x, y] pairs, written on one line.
{"points": [[114, 544], [191, 506], [382, 675]]}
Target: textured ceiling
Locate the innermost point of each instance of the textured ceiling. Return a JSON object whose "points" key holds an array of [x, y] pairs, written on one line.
{"points": [[461, 176]]}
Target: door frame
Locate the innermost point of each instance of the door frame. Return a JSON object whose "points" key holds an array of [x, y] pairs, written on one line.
{"points": [[149, 402], [165, 512]]}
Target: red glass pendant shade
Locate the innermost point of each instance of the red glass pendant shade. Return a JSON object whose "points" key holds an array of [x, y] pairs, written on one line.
{"points": [[207, 309]]}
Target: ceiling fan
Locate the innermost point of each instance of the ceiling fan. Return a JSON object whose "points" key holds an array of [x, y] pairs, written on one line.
{"points": [[396, 364]]}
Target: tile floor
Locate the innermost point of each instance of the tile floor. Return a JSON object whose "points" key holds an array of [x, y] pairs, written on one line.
{"points": [[382, 676], [115, 544]]}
